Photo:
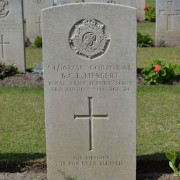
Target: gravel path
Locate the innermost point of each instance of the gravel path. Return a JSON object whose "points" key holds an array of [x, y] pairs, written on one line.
{"points": [[23, 176], [42, 176]]}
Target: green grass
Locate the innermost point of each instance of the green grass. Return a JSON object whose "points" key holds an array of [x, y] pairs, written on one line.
{"points": [[145, 56], [150, 3], [147, 27], [158, 116], [22, 134], [33, 57]]}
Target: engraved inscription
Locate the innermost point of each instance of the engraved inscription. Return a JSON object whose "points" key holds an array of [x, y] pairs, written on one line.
{"points": [[9, 25], [39, 1], [88, 39], [91, 117], [101, 78], [91, 161], [2, 43], [170, 12], [4, 8]]}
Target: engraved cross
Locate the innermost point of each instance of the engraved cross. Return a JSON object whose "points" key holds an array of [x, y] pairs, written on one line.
{"points": [[170, 12], [91, 117], [39, 22], [2, 43]]}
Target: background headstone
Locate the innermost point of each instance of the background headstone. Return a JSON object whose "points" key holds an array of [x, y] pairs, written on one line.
{"points": [[24, 8], [68, 1], [89, 55], [140, 5], [12, 34], [123, 2], [168, 22], [33, 17]]}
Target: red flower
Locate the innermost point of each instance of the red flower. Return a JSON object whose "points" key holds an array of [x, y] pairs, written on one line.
{"points": [[157, 68], [145, 9]]}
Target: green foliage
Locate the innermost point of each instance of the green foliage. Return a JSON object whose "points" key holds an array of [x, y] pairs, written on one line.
{"points": [[7, 70], [176, 69], [38, 42], [150, 13], [160, 72], [172, 157], [38, 70], [144, 40]]}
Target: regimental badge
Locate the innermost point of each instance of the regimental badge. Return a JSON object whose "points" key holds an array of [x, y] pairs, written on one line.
{"points": [[4, 8], [88, 39]]}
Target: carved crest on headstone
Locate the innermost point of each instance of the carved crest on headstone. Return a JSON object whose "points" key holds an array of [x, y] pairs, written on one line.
{"points": [[4, 8], [88, 38]]}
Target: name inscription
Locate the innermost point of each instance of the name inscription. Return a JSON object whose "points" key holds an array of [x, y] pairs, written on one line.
{"points": [[9, 26], [79, 78]]}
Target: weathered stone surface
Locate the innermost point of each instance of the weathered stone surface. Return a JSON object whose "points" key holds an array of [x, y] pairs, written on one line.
{"points": [[168, 22], [140, 5], [90, 91], [33, 17], [12, 34]]}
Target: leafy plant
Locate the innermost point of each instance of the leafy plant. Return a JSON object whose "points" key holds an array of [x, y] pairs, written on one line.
{"points": [[150, 13], [162, 43], [66, 177], [38, 42], [160, 72], [38, 70], [144, 40], [7, 70], [172, 157]]}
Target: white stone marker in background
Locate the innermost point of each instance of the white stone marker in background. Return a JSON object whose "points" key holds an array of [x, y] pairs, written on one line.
{"points": [[33, 19], [25, 8], [140, 5], [68, 1], [89, 53], [168, 22], [12, 34], [123, 2]]}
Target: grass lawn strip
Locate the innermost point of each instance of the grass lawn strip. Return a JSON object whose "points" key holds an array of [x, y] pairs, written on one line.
{"points": [[23, 133], [22, 124]]}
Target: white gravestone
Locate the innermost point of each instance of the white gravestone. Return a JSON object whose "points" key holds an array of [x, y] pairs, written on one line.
{"points": [[168, 22], [33, 17], [140, 4], [123, 2], [89, 55], [12, 34]]}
